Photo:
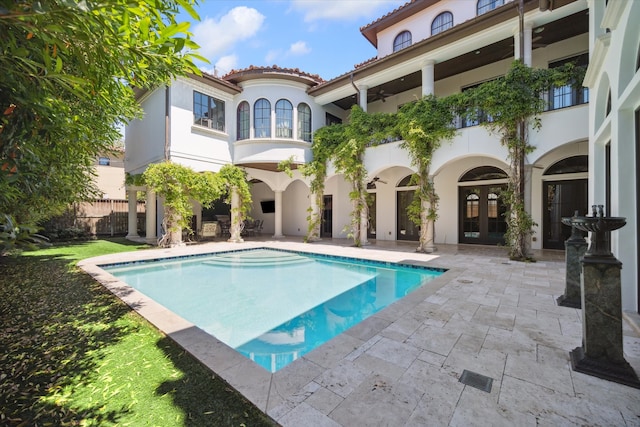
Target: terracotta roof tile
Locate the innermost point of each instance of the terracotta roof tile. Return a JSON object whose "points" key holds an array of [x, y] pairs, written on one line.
{"points": [[258, 69], [396, 10]]}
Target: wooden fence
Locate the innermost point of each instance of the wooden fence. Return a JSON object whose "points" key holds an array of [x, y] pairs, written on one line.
{"points": [[101, 217]]}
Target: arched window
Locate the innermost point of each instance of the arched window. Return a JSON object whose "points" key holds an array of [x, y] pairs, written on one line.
{"points": [[442, 22], [485, 6], [406, 181], [284, 119], [262, 118], [402, 40], [483, 173], [243, 121], [573, 164], [304, 122]]}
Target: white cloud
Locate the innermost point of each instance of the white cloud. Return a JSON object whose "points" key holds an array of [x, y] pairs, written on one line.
{"points": [[299, 48], [226, 64], [217, 36], [344, 10]]}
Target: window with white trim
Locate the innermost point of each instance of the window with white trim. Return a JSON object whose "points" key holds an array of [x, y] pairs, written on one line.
{"points": [[244, 122], [262, 118], [304, 122], [442, 22], [284, 119], [485, 6], [208, 111], [401, 41]]}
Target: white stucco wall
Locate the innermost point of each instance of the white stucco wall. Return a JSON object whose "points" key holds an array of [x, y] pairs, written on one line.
{"points": [[197, 146], [145, 138]]}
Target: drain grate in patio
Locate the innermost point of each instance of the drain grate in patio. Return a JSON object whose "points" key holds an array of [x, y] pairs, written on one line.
{"points": [[481, 382]]}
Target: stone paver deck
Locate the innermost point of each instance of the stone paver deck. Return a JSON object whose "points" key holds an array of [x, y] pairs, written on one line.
{"points": [[401, 367]]}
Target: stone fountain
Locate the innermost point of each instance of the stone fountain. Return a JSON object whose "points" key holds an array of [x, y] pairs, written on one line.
{"points": [[575, 248], [601, 353]]}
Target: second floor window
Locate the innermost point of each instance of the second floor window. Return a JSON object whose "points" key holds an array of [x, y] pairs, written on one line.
{"points": [[570, 94], [442, 22], [208, 111], [485, 6], [243, 121], [304, 122], [262, 118], [284, 119], [402, 40]]}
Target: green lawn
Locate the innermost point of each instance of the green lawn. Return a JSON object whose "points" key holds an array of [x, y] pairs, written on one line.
{"points": [[73, 354]]}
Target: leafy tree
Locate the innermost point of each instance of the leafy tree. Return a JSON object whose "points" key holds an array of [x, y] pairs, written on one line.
{"points": [[68, 71], [423, 125]]}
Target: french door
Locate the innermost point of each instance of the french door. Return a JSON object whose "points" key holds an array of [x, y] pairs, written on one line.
{"points": [[482, 215], [562, 199]]}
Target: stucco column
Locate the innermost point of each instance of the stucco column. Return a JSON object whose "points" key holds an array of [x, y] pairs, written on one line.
{"points": [[150, 214], [428, 79], [132, 208], [364, 220], [363, 96], [314, 235], [236, 218], [528, 26], [278, 215]]}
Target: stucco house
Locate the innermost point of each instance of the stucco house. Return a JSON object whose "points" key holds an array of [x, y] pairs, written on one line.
{"points": [[586, 151]]}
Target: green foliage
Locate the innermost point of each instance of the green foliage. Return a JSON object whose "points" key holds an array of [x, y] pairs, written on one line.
{"points": [[286, 166], [68, 71], [423, 126], [178, 186], [233, 178], [512, 103], [362, 130], [325, 140]]}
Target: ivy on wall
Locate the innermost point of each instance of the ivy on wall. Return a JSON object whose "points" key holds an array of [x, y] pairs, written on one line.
{"points": [[180, 185]]}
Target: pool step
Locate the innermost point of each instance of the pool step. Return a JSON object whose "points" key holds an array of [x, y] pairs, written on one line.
{"points": [[258, 259]]}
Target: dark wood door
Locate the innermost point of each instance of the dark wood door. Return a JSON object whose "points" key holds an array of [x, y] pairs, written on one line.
{"points": [[482, 215], [562, 199]]}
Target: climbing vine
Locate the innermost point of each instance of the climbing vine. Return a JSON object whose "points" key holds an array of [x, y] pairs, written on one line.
{"points": [[423, 126], [508, 106], [178, 185], [325, 140]]}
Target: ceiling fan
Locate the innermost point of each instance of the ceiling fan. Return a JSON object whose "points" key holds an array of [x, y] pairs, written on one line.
{"points": [[381, 95], [377, 179]]}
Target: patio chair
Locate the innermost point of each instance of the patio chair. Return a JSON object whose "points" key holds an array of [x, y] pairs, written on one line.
{"points": [[249, 228]]}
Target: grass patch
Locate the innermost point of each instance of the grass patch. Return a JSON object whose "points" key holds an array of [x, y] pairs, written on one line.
{"points": [[71, 353]]}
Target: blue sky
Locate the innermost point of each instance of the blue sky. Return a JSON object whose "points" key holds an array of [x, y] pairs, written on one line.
{"points": [[317, 36]]}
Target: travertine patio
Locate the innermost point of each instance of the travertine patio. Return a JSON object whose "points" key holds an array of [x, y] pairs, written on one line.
{"points": [[402, 366]]}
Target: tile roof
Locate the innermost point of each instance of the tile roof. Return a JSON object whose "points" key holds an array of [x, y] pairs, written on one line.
{"points": [[254, 69]]}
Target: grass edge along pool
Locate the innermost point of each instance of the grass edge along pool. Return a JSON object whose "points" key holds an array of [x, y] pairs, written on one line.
{"points": [[273, 305]]}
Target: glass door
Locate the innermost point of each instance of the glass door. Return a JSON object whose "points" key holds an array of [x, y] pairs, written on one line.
{"points": [[562, 199], [371, 228], [326, 228], [407, 230], [482, 215]]}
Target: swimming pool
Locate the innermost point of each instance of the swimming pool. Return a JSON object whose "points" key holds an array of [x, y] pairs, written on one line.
{"points": [[270, 305]]}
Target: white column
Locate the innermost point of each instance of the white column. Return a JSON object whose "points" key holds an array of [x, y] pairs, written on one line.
{"points": [[151, 217], [364, 220], [132, 208], [236, 218], [428, 78], [363, 96], [278, 215], [528, 46], [528, 26], [314, 235]]}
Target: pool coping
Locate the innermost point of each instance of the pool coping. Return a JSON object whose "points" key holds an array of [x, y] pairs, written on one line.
{"points": [[280, 392]]}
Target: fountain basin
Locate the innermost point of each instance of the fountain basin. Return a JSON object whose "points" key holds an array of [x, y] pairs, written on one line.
{"points": [[595, 224]]}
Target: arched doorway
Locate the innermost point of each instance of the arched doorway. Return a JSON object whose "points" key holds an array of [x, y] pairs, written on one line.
{"points": [[562, 197], [406, 229], [482, 211]]}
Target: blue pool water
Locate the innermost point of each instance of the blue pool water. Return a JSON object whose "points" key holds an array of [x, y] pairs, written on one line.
{"points": [[272, 306]]}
